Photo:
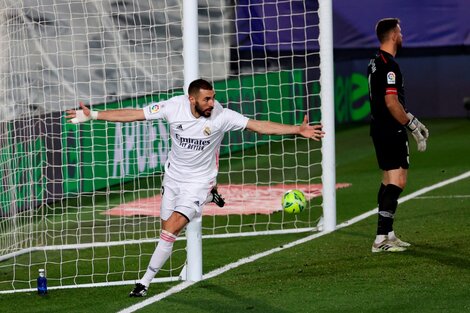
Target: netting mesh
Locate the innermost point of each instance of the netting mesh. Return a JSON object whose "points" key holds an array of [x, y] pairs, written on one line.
{"points": [[82, 201]]}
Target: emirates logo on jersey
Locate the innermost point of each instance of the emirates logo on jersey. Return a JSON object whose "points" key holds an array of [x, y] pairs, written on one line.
{"points": [[192, 143], [207, 131]]}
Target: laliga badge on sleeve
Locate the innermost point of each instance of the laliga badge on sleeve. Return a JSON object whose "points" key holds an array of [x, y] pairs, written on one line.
{"points": [[154, 108], [391, 78]]}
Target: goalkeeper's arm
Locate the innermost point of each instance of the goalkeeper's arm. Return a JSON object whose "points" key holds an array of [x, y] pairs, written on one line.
{"points": [[121, 115], [419, 132]]}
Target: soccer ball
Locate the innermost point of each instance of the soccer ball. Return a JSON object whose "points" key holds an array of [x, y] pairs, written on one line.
{"points": [[293, 201]]}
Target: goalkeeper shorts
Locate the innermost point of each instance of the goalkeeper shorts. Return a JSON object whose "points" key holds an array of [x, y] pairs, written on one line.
{"points": [[392, 151], [185, 198]]}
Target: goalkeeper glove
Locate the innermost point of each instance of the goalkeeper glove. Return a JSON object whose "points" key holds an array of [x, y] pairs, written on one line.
{"points": [[419, 131], [80, 116], [422, 129]]}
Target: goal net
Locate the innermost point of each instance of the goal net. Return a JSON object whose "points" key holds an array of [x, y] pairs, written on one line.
{"points": [[82, 201]]}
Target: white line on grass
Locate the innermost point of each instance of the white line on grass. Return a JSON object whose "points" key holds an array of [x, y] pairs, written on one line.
{"points": [[444, 197], [216, 272]]}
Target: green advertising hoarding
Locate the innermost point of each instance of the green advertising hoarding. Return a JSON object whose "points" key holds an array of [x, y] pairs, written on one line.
{"points": [[22, 162], [351, 98]]}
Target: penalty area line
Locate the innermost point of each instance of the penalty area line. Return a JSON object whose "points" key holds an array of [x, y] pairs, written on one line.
{"points": [[182, 286]]}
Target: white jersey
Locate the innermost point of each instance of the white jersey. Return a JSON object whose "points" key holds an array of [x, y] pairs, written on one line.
{"points": [[194, 152]]}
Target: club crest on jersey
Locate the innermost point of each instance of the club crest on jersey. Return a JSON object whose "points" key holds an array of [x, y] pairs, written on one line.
{"points": [[391, 78], [154, 108], [207, 131]]}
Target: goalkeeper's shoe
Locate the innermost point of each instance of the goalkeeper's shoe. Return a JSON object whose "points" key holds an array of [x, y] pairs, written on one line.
{"points": [[138, 291], [387, 246], [217, 198], [399, 242]]}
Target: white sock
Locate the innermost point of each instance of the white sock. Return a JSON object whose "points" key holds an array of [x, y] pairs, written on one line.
{"points": [[380, 238], [391, 235], [160, 255]]}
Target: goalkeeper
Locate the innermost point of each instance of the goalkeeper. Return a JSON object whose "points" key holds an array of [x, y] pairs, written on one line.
{"points": [[197, 123], [389, 122]]}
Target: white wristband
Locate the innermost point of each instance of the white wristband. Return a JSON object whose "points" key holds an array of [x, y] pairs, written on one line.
{"points": [[94, 115]]}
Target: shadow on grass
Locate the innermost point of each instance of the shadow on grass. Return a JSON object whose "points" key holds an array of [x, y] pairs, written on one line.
{"points": [[442, 255], [219, 299]]}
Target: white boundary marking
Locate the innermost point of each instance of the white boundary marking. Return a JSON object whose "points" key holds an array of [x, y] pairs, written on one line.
{"points": [[216, 272], [444, 197]]}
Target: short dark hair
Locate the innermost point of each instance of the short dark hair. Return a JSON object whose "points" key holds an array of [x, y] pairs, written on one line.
{"points": [[198, 84], [384, 26]]}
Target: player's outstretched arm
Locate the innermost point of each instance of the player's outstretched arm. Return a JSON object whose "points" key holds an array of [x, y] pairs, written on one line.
{"points": [[121, 115], [272, 128]]}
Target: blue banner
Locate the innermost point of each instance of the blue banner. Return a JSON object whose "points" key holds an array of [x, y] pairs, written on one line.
{"points": [[277, 25], [430, 23], [283, 26]]}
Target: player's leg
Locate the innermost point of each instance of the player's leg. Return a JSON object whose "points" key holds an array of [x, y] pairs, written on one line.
{"points": [[180, 204], [394, 181], [170, 230], [172, 223], [392, 156]]}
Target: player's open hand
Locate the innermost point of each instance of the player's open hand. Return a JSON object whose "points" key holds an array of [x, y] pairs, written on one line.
{"points": [[311, 131], [80, 116]]}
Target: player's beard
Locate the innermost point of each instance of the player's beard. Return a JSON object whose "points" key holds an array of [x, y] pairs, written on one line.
{"points": [[399, 44], [205, 113]]}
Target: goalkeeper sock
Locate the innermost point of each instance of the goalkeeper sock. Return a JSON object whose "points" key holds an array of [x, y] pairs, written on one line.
{"points": [[380, 193], [387, 207], [160, 255], [380, 238]]}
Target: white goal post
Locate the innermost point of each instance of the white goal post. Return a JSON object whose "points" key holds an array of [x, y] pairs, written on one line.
{"points": [[191, 72], [328, 116], [82, 202]]}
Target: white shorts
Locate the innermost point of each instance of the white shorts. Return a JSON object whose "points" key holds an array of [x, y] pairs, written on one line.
{"points": [[185, 198]]}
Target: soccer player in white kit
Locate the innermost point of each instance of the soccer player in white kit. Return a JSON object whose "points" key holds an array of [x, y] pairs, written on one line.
{"points": [[197, 123]]}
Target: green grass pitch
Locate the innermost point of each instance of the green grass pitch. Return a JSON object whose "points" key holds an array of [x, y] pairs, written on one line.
{"points": [[336, 272]]}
